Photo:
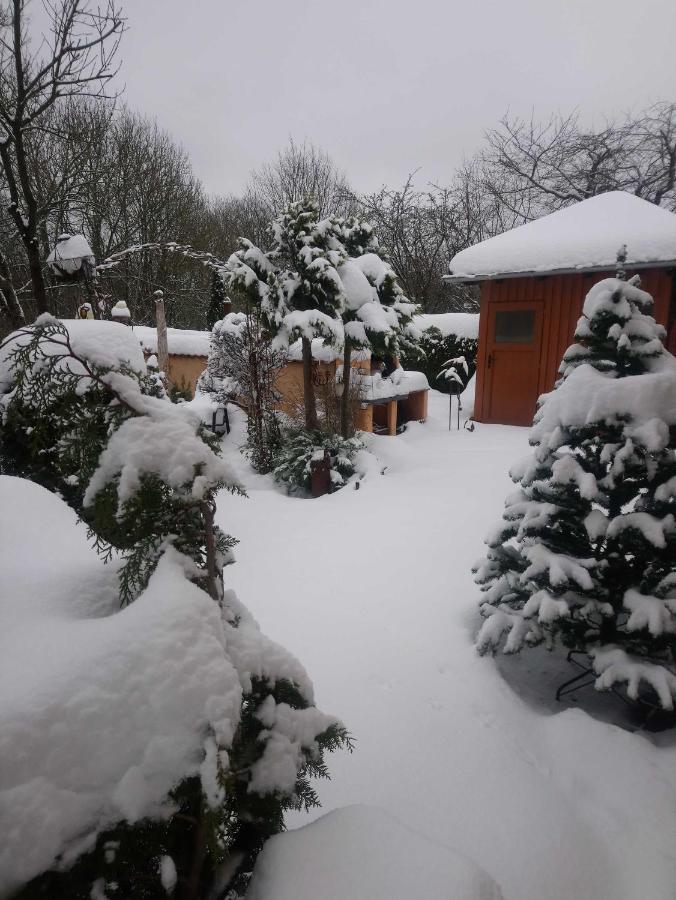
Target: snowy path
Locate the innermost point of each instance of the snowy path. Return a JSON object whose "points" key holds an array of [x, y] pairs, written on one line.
{"points": [[372, 590]]}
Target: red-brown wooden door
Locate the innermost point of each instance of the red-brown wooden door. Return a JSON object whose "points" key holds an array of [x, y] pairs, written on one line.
{"points": [[512, 362]]}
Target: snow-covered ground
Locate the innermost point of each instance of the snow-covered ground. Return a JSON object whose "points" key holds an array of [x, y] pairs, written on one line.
{"points": [[372, 590]]}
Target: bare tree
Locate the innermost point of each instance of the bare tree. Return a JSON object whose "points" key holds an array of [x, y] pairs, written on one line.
{"points": [[532, 168], [75, 58], [420, 231], [300, 171]]}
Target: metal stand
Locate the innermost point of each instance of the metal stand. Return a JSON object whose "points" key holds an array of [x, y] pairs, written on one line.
{"points": [[450, 410], [577, 681]]}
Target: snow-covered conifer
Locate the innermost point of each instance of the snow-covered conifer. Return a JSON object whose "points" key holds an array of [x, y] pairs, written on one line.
{"points": [[296, 284], [375, 312], [144, 474], [586, 550], [217, 299]]}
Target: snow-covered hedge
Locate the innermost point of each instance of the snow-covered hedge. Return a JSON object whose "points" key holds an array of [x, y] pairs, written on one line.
{"points": [[433, 348]]}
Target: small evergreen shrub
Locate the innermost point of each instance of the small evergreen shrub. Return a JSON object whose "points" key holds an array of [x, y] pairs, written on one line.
{"points": [[302, 446], [434, 349]]}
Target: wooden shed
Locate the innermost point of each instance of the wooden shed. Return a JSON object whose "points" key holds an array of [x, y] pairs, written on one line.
{"points": [[534, 279]]}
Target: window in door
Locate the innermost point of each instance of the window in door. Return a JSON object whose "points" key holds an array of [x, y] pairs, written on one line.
{"points": [[515, 326]]}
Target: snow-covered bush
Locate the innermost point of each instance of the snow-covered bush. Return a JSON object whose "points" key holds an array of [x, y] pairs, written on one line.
{"points": [[194, 803], [301, 446], [80, 418], [242, 367], [586, 550], [429, 352]]}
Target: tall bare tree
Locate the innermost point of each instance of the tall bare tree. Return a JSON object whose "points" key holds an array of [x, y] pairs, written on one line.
{"points": [[532, 167], [300, 171], [73, 58], [420, 231]]}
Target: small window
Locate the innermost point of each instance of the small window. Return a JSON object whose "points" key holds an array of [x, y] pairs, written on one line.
{"points": [[515, 326]]}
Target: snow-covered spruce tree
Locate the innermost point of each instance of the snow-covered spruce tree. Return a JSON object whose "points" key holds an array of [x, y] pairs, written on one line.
{"points": [[375, 312], [217, 299], [135, 460], [586, 551], [296, 285]]}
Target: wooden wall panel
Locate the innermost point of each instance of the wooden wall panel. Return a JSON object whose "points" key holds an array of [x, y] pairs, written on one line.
{"points": [[563, 297]]}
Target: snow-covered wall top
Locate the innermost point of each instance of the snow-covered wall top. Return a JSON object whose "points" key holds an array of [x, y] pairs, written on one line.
{"points": [[465, 325], [181, 341], [584, 236]]}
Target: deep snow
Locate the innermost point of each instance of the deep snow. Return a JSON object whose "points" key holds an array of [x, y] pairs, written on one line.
{"points": [[372, 590]]}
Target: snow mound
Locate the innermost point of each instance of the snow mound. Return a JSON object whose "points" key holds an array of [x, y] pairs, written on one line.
{"points": [[464, 325], [586, 235], [361, 853], [102, 710]]}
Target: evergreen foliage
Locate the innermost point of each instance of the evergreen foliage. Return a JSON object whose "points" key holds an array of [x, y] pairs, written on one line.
{"points": [[217, 299], [432, 349], [144, 474], [295, 284], [62, 413], [301, 446], [322, 279], [585, 554]]}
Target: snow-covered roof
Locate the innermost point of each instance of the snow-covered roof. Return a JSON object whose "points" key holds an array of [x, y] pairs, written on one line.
{"points": [[464, 325], [181, 341], [582, 237]]}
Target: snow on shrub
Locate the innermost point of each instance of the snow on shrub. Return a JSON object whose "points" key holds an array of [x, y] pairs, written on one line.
{"points": [[586, 550], [242, 367], [174, 729], [292, 462]]}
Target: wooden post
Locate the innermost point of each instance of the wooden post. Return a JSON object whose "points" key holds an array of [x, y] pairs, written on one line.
{"points": [[392, 418], [162, 342]]}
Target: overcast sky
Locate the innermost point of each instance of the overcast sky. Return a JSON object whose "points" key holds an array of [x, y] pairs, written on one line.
{"points": [[384, 86]]}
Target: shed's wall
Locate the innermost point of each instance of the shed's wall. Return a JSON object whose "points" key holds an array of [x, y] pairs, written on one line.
{"points": [[561, 297], [185, 370]]}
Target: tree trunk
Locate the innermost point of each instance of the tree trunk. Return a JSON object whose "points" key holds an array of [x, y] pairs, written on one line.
{"points": [[26, 226], [345, 403], [162, 340], [37, 275], [12, 308], [308, 387], [207, 511]]}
